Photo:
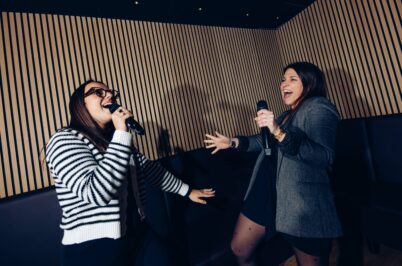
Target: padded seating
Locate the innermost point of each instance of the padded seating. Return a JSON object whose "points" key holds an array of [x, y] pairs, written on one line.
{"points": [[382, 218], [367, 184], [29, 229]]}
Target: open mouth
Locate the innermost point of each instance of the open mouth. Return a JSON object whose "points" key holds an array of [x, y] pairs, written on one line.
{"points": [[106, 105], [286, 94]]}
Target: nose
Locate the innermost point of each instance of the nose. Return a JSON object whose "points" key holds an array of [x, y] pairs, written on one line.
{"points": [[108, 95]]}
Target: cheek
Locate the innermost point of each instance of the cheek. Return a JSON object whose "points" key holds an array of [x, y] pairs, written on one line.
{"points": [[92, 109]]}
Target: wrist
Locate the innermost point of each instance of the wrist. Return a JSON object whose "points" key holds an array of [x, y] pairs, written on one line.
{"points": [[233, 143], [187, 195], [279, 134]]}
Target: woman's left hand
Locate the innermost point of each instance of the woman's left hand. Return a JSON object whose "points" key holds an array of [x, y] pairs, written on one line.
{"points": [[266, 118], [197, 195]]}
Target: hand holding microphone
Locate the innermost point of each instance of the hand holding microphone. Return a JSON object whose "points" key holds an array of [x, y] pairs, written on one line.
{"points": [[266, 121], [126, 116]]}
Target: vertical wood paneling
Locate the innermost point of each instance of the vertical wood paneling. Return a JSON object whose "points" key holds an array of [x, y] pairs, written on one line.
{"points": [[182, 81], [356, 45]]}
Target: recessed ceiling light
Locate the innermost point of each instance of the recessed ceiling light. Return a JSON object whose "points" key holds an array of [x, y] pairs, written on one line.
{"points": [[136, 2], [247, 14], [200, 9]]}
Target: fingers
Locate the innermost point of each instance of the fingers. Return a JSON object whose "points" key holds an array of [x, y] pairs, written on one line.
{"points": [[197, 195], [210, 136], [209, 141], [219, 135], [123, 113], [215, 151], [200, 201], [265, 118], [207, 193]]}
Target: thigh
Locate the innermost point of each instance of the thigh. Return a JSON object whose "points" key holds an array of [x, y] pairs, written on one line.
{"points": [[310, 245], [247, 234], [310, 251], [304, 259]]}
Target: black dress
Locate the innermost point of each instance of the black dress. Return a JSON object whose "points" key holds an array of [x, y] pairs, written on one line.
{"points": [[260, 205]]}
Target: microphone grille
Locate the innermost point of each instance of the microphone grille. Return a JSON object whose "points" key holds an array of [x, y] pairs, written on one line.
{"points": [[262, 105], [113, 107]]}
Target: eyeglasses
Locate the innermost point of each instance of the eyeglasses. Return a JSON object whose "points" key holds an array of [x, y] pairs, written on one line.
{"points": [[102, 92]]}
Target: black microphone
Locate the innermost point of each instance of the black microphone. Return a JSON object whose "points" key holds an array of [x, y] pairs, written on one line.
{"points": [[264, 130], [131, 123]]}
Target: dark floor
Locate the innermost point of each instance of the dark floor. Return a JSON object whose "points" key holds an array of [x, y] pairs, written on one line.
{"points": [[386, 257]]}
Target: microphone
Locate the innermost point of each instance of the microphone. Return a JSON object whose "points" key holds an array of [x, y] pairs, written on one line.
{"points": [[131, 123], [264, 130]]}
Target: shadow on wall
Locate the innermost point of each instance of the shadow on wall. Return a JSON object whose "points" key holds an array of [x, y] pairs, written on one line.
{"points": [[188, 113], [351, 101], [241, 116]]}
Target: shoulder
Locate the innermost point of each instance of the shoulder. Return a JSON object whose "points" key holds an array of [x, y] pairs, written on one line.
{"points": [[65, 136], [319, 104], [65, 133]]}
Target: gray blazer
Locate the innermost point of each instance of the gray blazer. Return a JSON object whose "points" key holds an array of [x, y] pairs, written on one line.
{"points": [[305, 205]]}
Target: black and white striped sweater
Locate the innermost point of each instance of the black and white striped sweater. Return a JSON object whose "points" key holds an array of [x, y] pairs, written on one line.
{"points": [[92, 187]]}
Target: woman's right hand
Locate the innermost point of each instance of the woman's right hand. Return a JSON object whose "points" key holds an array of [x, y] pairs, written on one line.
{"points": [[119, 118], [219, 142]]}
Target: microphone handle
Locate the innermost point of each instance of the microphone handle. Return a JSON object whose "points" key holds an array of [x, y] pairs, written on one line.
{"points": [[133, 125]]}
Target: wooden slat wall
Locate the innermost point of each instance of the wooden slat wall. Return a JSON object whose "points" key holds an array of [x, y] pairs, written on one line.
{"points": [[358, 45], [180, 81]]}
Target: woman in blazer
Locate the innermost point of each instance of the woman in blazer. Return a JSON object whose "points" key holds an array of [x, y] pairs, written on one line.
{"points": [[304, 138]]}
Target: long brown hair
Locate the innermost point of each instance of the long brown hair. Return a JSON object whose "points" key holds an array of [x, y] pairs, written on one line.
{"points": [[83, 122]]}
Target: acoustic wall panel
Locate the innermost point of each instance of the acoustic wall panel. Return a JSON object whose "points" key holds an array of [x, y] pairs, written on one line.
{"points": [[357, 44], [180, 81]]}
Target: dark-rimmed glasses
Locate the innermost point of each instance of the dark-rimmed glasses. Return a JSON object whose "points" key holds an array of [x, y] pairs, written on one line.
{"points": [[101, 92]]}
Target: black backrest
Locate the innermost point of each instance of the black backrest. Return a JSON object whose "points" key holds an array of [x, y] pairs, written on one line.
{"points": [[351, 169], [29, 230], [385, 139]]}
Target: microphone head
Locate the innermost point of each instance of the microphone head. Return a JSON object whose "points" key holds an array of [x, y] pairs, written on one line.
{"points": [[113, 107], [262, 105]]}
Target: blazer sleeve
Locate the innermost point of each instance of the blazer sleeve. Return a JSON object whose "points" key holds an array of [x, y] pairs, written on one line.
{"points": [[249, 143], [314, 143], [73, 165]]}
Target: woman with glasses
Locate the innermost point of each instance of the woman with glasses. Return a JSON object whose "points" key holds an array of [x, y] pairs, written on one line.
{"points": [[99, 178]]}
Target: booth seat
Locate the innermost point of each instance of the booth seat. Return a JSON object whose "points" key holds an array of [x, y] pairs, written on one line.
{"points": [[367, 182]]}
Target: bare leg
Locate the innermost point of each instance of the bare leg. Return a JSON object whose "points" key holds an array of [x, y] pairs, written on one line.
{"points": [[304, 259], [246, 237]]}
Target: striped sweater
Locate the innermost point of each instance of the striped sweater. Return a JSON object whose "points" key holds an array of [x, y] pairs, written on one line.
{"points": [[92, 187]]}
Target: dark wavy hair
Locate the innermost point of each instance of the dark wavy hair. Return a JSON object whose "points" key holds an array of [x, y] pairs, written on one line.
{"points": [[312, 78], [82, 121]]}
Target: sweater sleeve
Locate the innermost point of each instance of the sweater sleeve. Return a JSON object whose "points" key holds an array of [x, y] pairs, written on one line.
{"points": [[160, 177], [73, 165]]}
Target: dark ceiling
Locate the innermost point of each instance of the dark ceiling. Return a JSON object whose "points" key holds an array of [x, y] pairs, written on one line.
{"points": [[268, 14]]}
